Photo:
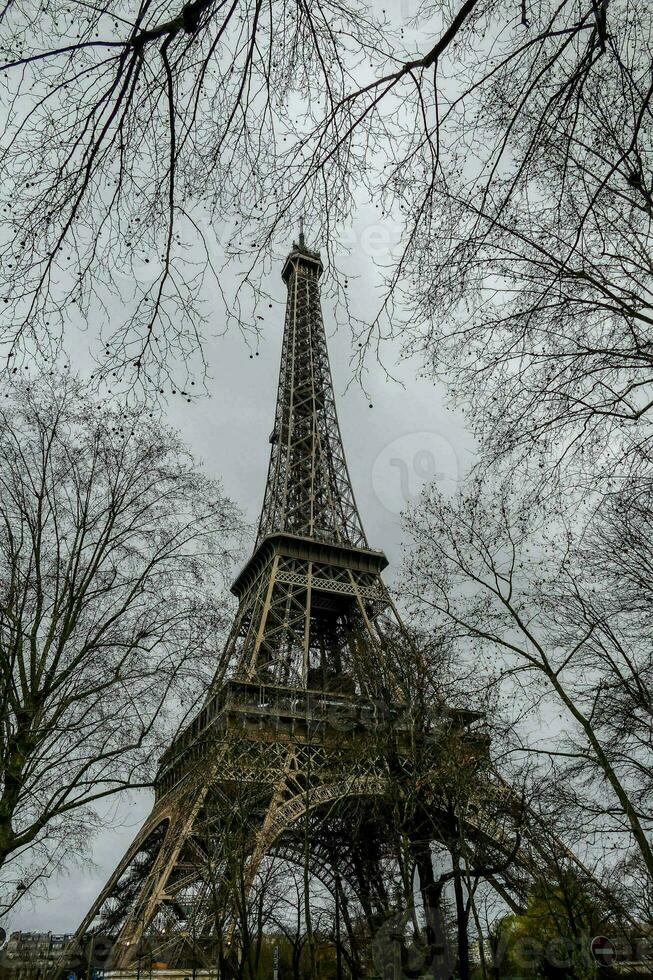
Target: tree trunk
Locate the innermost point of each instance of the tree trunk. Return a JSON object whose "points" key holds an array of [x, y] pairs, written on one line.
{"points": [[431, 892], [462, 915]]}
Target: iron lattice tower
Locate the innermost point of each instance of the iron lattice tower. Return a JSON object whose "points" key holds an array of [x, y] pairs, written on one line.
{"points": [[286, 745]]}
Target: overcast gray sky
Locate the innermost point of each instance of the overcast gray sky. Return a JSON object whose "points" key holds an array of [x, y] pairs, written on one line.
{"points": [[407, 437]]}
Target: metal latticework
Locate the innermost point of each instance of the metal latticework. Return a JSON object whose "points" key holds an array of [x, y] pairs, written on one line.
{"points": [[308, 490], [292, 731], [312, 615], [313, 609]]}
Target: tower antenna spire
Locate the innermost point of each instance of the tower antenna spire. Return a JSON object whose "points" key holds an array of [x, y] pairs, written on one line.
{"points": [[302, 240]]}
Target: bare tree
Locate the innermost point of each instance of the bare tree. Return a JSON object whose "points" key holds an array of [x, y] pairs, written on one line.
{"points": [[136, 131], [564, 633], [511, 139], [112, 546], [529, 257]]}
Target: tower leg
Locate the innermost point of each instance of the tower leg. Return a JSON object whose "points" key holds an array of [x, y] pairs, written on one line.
{"points": [[152, 893], [130, 899]]}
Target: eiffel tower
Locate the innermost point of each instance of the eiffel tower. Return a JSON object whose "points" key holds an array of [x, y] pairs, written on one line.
{"points": [[286, 757]]}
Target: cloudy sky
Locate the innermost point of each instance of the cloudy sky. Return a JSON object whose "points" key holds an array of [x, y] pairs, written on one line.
{"points": [[407, 437]]}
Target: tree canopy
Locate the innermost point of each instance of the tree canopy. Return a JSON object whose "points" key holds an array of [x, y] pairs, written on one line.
{"points": [[112, 551]]}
